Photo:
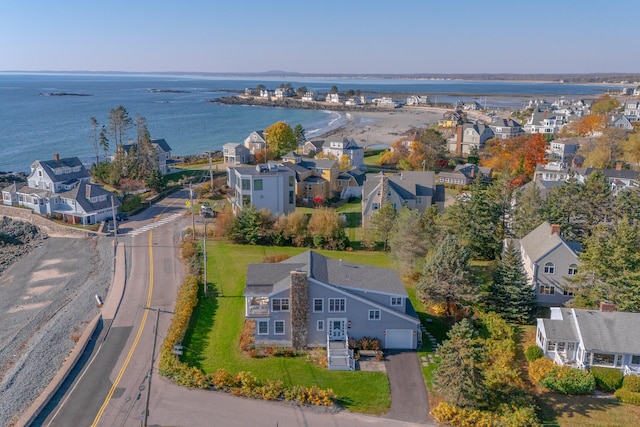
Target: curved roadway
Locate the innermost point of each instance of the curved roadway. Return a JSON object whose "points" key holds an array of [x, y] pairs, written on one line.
{"points": [[111, 388]]}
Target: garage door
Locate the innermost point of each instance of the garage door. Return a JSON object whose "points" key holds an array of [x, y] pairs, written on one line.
{"points": [[399, 338]]}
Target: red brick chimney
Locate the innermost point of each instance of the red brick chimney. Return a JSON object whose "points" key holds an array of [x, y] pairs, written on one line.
{"points": [[56, 157], [618, 166], [459, 139], [555, 229], [607, 306]]}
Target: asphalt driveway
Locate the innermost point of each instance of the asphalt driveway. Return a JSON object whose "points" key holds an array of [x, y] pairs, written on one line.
{"points": [[409, 401]]}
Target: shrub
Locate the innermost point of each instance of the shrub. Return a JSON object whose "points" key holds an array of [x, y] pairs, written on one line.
{"points": [[452, 415], [248, 337], [607, 379], [627, 396], [569, 381], [369, 343], [533, 352], [222, 379], [632, 383], [539, 368]]}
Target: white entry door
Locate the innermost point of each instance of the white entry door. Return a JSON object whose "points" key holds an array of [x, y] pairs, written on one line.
{"points": [[336, 328]]}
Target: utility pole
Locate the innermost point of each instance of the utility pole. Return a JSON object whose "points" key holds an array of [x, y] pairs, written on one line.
{"points": [[193, 215], [210, 170], [153, 359], [204, 251]]}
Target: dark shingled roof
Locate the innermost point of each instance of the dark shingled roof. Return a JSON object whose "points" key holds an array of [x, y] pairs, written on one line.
{"points": [[84, 191], [264, 279], [49, 166], [162, 144]]}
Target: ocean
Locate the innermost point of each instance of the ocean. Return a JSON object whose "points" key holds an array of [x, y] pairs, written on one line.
{"points": [[34, 127]]}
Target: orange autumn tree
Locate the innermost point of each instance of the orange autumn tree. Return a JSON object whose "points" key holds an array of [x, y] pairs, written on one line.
{"points": [[588, 125], [517, 155]]}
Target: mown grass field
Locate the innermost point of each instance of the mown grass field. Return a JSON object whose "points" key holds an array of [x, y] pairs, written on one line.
{"points": [[212, 341]]}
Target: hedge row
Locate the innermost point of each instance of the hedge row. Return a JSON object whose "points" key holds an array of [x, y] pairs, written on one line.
{"points": [[607, 379], [630, 391], [506, 415]]}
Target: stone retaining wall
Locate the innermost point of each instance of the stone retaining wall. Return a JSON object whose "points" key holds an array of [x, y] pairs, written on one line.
{"points": [[47, 225]]}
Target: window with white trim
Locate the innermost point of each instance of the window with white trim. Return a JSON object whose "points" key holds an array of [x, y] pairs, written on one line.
{"points": [[318, 305], [374, 314], [573, 270], [635, 359], [263, 327], [337, 305], [547, 290], [396, 302], [280, 304], [549, 268], [320, 325], [278, 327]]}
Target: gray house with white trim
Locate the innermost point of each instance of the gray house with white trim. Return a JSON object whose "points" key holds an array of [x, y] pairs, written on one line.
{"points": [[549, 262], [584, 338], [310, 300]]}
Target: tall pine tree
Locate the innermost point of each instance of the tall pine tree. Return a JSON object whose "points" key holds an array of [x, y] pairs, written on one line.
{"points": [[459, 379], [510, 295]]}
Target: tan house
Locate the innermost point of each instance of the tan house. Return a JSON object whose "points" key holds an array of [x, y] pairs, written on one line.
{"points": [[315, 178]]}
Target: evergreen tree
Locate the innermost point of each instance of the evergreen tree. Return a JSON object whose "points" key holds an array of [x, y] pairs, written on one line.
{"points": [[459, 378], [447, 277], [383, 222], [477, 221], [408, 241], [299, 133], [529, 211], [510, 295], [610, 267]]}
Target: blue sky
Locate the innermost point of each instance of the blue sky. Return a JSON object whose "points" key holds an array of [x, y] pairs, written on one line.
{"points": [[327, 36]]}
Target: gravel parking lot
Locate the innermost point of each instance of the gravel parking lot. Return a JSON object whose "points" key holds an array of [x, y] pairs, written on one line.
{"points": [[46, 300]]}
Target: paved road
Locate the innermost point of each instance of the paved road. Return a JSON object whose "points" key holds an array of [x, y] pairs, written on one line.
{"points": [[108, 391]]}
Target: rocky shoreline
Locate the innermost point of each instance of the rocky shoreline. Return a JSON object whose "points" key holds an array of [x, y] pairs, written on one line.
{"points": [[301, 105], [17, 239]]}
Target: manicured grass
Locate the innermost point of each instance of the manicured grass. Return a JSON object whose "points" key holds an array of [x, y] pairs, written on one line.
{"points": [[212, 341], [373, 160]]}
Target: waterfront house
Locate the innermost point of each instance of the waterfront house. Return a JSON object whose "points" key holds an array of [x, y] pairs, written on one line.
{"points": [[62, 187], [162, 153], [310, 96], [310, 300], [236, 153], [256, 142], [336, 147], [335, 98], [313, 147], [451, 119], [415, 100], [265, 186], [585, 338], [549, 261], [415, 190]]}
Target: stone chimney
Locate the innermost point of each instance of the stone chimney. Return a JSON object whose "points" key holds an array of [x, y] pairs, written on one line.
{"points": [[555, 229], [299, 309], [56, 157], [607, 306]]}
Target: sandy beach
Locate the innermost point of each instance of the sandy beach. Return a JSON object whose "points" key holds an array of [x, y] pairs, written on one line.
{"points": [[382, 128]]}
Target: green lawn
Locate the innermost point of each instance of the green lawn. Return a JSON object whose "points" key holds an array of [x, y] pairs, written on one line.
{"points": [[212, 340]]}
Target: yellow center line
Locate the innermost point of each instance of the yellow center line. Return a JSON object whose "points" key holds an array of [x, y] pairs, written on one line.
{"points": [[135, 342]]}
